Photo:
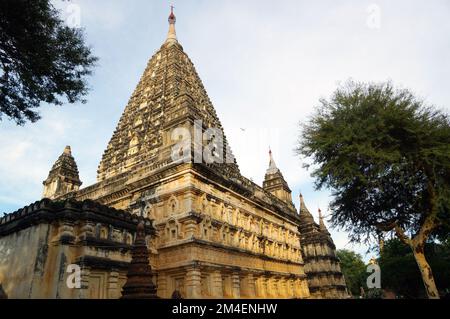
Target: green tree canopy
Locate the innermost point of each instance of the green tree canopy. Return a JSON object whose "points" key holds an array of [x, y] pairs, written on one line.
{"points": [[385, 155], [354, 270], [41, 59], [399, 271]]}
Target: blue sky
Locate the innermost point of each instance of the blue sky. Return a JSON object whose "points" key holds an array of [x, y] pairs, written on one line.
{"points": [[265, 65]]}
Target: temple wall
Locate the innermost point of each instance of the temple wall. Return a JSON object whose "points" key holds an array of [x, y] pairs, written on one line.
{"points": [[34, 261], [21, 256], [216, 282], [221, 217]]}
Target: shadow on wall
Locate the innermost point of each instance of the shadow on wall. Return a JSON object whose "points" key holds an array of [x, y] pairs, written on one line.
{"points": [[3, 294]]}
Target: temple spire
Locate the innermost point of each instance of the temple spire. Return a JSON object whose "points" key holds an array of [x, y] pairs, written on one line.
{"points": [[172, 35], [302, 204], [169, 95], [273, 169], [322, 226], [304, 212], [275, 183], [139, 283], [63, 178]]}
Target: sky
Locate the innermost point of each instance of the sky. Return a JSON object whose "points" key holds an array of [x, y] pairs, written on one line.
{"points": [[265, 65]]}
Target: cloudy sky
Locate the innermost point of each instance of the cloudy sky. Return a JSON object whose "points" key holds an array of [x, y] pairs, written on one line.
{"points": [[265, 65]]}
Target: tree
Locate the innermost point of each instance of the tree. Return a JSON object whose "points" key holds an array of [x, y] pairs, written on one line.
{"points": [[401, 275], [41, 59], [399, 270], [354, 270], [385, 155]]}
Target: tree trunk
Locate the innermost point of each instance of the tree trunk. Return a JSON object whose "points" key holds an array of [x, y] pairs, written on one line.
{"points": [[425, 271]]}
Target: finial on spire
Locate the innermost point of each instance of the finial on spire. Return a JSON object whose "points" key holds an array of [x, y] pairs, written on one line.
{"points": [[172, 35], [67, 150], [172, 18], [302, 202]]}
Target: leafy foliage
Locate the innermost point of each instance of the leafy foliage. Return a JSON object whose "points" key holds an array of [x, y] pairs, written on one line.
{"points": [[399, 271], [41, 59], [384, 154], [354, 270]]}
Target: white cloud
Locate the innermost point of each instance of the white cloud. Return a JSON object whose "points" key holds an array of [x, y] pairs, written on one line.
{"points": [[29, 152]]}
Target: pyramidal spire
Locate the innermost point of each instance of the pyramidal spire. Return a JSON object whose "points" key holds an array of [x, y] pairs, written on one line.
{"points": [[172, 35], [275, 183], [273, 169], [63, 178], [322, 226], [139, 284], [304, 212], [170, 95]]}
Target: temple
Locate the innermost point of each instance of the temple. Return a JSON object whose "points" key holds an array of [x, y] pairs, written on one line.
{"points": [[217, 234], [63, 177], [325, 279]]}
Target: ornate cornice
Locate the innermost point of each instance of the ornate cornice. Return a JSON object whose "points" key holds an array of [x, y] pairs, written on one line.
{"points": [[48, 211]]}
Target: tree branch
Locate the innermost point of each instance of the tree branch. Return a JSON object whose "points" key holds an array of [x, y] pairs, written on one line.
{"points": [[401, 235], [430, 223], [392, 225], [386, 226]]}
